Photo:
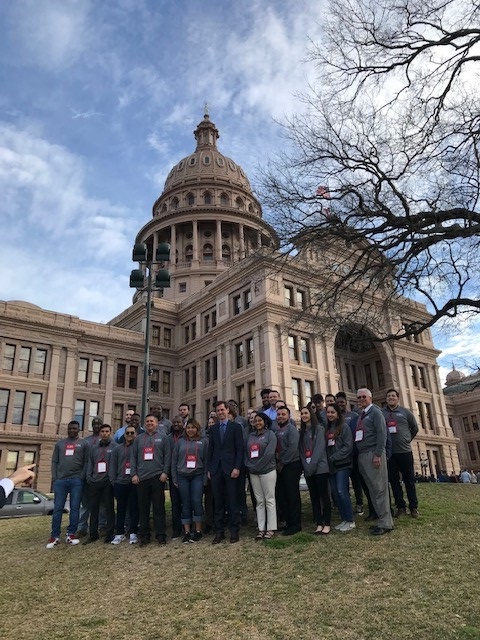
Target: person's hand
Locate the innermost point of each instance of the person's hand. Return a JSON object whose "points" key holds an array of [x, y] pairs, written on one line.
{"points": [[163, 477], [235, 473], [24, 475], [376, 461], [135, 479]]}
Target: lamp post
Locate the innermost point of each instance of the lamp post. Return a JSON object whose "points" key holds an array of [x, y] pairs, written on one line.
{"points": [[137, 281]]}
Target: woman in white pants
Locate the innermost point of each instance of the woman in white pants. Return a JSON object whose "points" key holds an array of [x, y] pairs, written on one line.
{"points": [[261, 464]]}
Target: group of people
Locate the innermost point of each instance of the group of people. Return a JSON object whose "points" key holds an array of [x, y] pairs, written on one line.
{"points": [[118, 479]]}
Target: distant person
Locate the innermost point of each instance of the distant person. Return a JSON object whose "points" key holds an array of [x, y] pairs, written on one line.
{"points": [[24, 475]]}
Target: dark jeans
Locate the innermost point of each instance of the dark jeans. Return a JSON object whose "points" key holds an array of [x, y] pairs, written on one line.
{"points": [[341, 492], [288, 494], [402, 463], [176, 500], [209, 508], [62, 488], [191, 492], [101, 493], [151, 492], [225, 497], [318, 489], [127, 501]]}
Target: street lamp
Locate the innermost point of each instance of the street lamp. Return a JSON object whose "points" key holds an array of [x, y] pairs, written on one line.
{"points": [[137, 281]]}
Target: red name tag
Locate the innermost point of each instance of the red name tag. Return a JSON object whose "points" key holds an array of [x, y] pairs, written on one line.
{"points": [[69, 449], [148, 453]]}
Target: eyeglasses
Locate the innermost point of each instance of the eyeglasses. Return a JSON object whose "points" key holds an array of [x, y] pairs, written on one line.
{"points": [[129, 433], [361, 397]]}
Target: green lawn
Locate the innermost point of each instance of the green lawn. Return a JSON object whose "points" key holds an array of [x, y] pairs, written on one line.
{"points": [[421, 581]]}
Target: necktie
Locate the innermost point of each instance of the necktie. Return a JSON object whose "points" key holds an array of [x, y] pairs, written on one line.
{"points": [[223, 428]]}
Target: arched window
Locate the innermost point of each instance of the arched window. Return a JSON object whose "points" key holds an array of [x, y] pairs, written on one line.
{"points": [[175, 203], [226, 252], [164, 207], [208, 253], [189, 253], [207, 197], [190, 199], [239, 203], [224, 201]]}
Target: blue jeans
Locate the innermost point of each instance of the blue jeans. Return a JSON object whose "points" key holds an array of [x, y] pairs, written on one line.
{"points": [[339, 484], [191, 492], [61, 489]]}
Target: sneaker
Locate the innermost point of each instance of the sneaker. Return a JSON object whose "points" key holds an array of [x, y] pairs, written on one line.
{"points": [[359, 510], [400, 512], [340, 526], [414, 513], [186, 538], [72, 539], [198, 535], [52, 543], [133, 538], [348, 526], [118, 539]]}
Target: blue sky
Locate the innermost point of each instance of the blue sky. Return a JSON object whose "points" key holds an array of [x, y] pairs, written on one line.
{"points": [[100, 99]]}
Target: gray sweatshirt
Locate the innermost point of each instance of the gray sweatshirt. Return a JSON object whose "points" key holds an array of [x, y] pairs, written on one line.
{"points": [[374, 436], [340, 448], [99, 460], [69, 459], [313, 452], [287, 446], [120, 468], [260, 452], [189, 458], [151, 455], [402, 427]]}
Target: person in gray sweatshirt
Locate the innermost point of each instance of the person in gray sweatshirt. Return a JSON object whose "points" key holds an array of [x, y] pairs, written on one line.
{"points": [[151, 459], [313, 455], [339, 455], [189, 475], [69, 463], [260, 460], [289, 470], [120, 474], [100, 489]]}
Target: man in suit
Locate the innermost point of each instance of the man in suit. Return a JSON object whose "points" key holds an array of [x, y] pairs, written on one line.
{"points": [[225, 459], [24, 475]]}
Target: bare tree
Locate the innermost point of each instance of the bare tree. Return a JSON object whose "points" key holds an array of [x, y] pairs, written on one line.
{"points": [[385, 161]]}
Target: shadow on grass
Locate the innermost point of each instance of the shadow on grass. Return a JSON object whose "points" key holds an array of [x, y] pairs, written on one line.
{"points": [[299, 539]]}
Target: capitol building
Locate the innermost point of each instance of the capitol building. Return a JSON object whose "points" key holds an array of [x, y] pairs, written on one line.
{"points": [[234, 320]]}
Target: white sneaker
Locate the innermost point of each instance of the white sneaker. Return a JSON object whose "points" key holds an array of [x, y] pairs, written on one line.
{"points": [[340, 526], [118, 539], [72, 539], [348, 526], [133, 538], [52, 543]]}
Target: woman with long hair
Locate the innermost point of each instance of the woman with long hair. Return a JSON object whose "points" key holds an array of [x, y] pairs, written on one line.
{"points": [[313, 454], [339, 442], [189, 474], [261, 464]]}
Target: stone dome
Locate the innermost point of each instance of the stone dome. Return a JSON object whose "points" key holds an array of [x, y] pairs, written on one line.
{"points": [[454, 376], [206, 163]]}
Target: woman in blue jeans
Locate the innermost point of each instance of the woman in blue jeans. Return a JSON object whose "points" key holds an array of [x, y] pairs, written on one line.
{"points": [[339, 442], [189, 474]]}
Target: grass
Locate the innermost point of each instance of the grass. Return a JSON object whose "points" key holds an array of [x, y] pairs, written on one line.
{"points": [[420, 581]]}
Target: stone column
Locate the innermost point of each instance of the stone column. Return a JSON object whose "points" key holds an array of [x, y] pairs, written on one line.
{"points": [[49, 425], [271, 368], [173, 246], [218, 241], [195, 240], [68, 390], [242, 241], [108, 402]]}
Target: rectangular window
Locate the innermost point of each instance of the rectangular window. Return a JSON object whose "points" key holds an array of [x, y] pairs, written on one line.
{"points": [[166, 383], [206, 323], [94, 410], [8, 357], [288, 296], [121, 375], [466, 423], [12, 462], [237, 307], [296, 393], [428, 415], [18, 407], [133, 377], [421, 415], [154, 380], [292, 348], [252, 396], [250, 355], [471, 451], [34, 409], [304, 351], [301, 299], [167, 337], [117, 416], [40, 362], [423, 377], [4, 398], [194, 330], [308, 391], [474, 422], [187, 379], [80, 412], [182, 287], [96, 372], [187, 334], [194, 377], [24, 359], [29, 457], [247, 299], [215, 367], [82, 370], [380, 374], [156, 334], [239, 355], [241, 400], [414, 375], [214, 318], [207, 371], [478, 446]]}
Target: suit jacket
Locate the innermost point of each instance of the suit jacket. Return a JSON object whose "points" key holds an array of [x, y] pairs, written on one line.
{"points": [[225, 455], [3, 497]]}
